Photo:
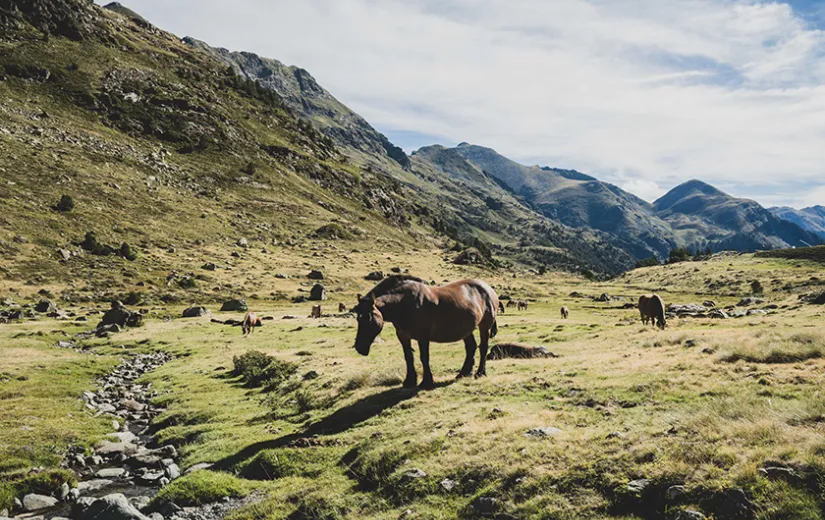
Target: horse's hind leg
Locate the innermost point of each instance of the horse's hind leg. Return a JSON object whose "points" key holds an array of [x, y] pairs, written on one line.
{"points": [[484, 335], [469, 361], [406, 343], [427, 382]]}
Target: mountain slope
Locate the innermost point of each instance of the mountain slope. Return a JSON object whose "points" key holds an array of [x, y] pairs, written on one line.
{"points": [[301, 93], [704, 216], [810, 219], [160, 148], [579, 201]]}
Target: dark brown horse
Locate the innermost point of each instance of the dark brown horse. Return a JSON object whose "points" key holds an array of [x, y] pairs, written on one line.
{"points": [[429, 314], [652, 308]]}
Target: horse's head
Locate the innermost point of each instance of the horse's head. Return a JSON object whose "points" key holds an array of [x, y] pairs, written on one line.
{"points": [[370, 323]]}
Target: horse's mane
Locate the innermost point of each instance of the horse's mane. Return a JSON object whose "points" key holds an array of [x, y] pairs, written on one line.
{"points": [[391, 283]]}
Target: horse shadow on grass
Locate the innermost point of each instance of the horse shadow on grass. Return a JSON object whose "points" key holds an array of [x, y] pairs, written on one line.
{"points": [[337, 422]]}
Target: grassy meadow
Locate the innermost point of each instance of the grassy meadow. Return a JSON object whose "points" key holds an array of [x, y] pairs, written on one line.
{"points": [[706, 404]]}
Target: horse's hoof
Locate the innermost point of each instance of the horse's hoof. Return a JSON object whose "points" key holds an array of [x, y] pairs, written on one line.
{"points": [[426, 385], [410, 383], [481, 374], [462, 375]]}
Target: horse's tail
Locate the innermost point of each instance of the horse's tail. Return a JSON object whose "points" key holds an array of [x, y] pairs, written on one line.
{"points": [[494, 330]]}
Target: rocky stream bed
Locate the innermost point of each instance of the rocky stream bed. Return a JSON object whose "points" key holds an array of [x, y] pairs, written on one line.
{"points": [[124, 473]]}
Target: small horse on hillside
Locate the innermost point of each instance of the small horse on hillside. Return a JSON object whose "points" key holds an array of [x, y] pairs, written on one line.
{"points": [[511, 303], [522, 305], [501, 307], [250, 321], [565, 312], [429, 314], [316, 311], [342, 307], [652, 308]]}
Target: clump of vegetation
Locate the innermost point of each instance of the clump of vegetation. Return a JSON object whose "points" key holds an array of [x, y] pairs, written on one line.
{"points": [[778, 349], [257, 368], [333, 231], [647, 262], [679, 254], [65, 204], [203, 487], [756, 287], [127, 252], [93, 246], [43, 483], [287, 462]]}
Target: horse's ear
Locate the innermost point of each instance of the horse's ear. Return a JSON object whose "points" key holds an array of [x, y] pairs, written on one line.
{"points": [[358, 297]]}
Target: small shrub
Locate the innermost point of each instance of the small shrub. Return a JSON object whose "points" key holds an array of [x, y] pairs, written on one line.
{"points": [[257, 368], [65, 204], [756, 287], [127, 252], [286, 462], [187, 282], [333, 231], [91, 245], [203, 487]]}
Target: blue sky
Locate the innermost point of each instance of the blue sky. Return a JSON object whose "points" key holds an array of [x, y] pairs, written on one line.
{"points": [[642, 93]]}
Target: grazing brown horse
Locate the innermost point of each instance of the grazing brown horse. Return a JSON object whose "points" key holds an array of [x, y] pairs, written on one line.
{"points": [[342, 307], [522, 305], [565, 312], [250, 321], [652, 308], [316, 311], [429, 314], [501, 307], [511, 303]]}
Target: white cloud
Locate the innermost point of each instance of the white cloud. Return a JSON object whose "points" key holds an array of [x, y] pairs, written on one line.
{"points": [[643, 93]]}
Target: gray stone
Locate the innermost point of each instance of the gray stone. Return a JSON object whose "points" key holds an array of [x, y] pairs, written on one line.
{"points": [[198, 466], [45, 306], [318, 293], [64, 491], [687, 514], [35, 502], [448, 484], [89, 486], [195, 312], [638, 486], [116, 448], [375, 276], [546, 431], [110, 507], [140, 502], [242, 242], [315, 275], [414, 473], [235, 306], [674, 492], [172, 471], [111, 473]]}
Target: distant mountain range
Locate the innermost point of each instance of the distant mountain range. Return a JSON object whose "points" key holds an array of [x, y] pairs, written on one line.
{"points": [[810, 219], [227, 121], [694, 214]]}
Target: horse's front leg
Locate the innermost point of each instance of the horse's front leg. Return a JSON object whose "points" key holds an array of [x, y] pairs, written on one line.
{"points": [[469, 360], [484, 336], [427, 382], [406, 343]]}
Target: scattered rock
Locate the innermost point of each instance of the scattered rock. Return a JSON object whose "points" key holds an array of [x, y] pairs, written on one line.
{"points": [[318, 293], [110, 507], [195, 312], [448, 484], [414, 473], [375, 276], [638, 486], [546, 431], [119, 315], [315, 275], [235, 306], [673, 492], [687, 514], [209, 266], [242, 242], [35, 502], [750, 300], [45, 306], [485, 505]]}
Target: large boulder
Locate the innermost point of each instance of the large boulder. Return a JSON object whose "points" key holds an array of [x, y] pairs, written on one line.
{"points": [[235, 306], [111, 507], [119, 315], [470, 256], [315, 275], [45, 306], [375, 276], [35, 502], [195, 311], [318, 293]]}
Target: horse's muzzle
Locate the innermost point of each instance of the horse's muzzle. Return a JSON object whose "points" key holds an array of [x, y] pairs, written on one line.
{"points": [[364, 351]]}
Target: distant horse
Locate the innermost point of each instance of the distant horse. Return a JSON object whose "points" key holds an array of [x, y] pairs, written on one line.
{"points": [[501, 307], [250, 321], [342, 307], [316, 311], [429, 314], [522, 305], [652, 309], [511, 303], [565, 312]]}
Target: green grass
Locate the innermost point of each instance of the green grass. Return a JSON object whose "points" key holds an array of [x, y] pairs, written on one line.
{"points": [[203, 487]]}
